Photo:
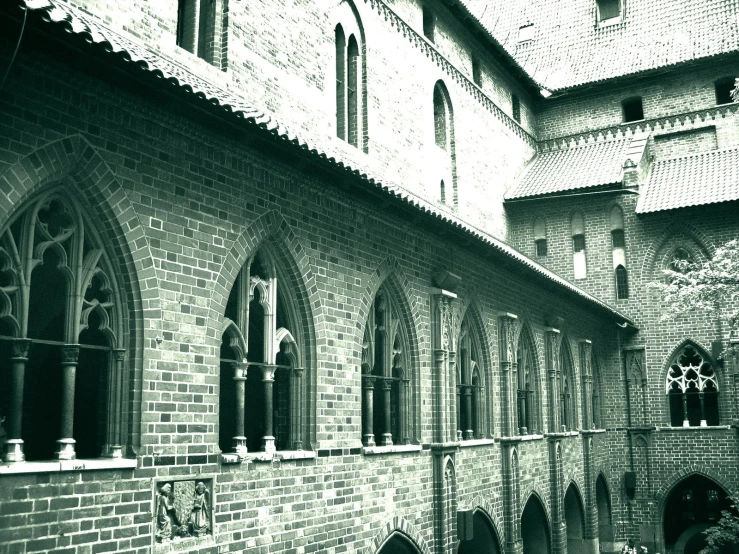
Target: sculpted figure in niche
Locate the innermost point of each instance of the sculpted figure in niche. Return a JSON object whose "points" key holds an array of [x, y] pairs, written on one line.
{"points": [[166, 518], [199, 516]]}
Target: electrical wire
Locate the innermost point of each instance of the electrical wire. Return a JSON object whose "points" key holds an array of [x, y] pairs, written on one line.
{"points": [[17, 46]]}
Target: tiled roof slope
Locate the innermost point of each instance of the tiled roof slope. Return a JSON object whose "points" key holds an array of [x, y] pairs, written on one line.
{"points": [[570, 49], [581, 167], [694, 180], [149, 64]]}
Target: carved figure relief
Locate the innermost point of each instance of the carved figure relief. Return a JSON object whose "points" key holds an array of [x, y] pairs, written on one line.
{"points": [[183, 509]]}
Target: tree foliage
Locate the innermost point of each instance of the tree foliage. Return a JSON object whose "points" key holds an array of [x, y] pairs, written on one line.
{"points": [[724, 533], [711, 287]]}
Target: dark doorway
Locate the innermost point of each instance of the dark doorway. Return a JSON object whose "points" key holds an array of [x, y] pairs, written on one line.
{"points": [[575, 521], [603, 500], [398, 544], [484, 539], [694, 505], [535, 528]]}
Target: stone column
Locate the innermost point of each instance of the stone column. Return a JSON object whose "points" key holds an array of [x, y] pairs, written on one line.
{"points": [[453, 393], [511, 500], [551, 362], [469, 432], [587, 381], [591, 542], [556, 480], [268, 378], [387, 435], [239, 439], [443, 327], [405, 405], [66, 442], [508, 339], [114, 448], [14, 443], [296, 412], [368, 387], [458, 424]]}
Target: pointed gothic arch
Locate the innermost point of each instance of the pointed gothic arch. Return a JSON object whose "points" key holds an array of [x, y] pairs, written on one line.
{"points": [[474, 377], [443, 119], [398, 528], [574, 509], [535, 526], [568, 390], [72, 164], [485, 535]]}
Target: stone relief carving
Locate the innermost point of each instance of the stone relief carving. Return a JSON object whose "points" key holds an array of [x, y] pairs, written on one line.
{"points": [[183, 509], [634, 364]]}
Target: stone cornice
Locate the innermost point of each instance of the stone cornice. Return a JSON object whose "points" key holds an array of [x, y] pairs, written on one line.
{"points": [[669, 123], [431, 52]]}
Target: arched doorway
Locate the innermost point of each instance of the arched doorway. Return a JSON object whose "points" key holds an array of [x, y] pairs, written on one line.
{"points": [[605, 522], [693, 505], [398, 544], [484, 538], [535, 528], [575, 520]]}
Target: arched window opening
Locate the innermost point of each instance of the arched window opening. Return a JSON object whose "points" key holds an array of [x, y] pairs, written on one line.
{"points": [[443, 192], [340, 40], [429, 24], [597, 407], [471, 396], [692, 389], [349, 83], [385, 375], [352, 95], [398, 544], [567, 389], [577, 229], [202, 28], [440, 119], [261, 405], [516, 108], [535, 527], [528, 415], [62, 365], [681, 260], [622, 283], [540, 237]]}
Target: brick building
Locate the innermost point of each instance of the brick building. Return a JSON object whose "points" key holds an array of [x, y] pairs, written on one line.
{"points": [[362, 276]]}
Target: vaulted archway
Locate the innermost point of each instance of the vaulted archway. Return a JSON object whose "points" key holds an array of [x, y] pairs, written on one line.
{"points": [[484, 538], [535, 532]]}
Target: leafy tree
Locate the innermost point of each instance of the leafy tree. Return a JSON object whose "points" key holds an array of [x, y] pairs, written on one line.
{"points": [[711, 287], [724, 534]]}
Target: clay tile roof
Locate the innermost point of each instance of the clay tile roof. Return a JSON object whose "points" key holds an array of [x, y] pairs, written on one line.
{"points": [[694, 180], [581, 167], [570, 48]]}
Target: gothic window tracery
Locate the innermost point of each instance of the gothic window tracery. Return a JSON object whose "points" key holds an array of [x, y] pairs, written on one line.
{"points": [[386, 376], [471, 395], [527, 379], [567, 389], [61, 337], [692, 388], [261, 402]]}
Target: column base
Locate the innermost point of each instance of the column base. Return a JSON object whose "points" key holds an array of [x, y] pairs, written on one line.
{"points": [[591, 546], [114, 451], [387, 439], [297, 445], [514, 547], [239, 446], [65, 449], [268, 445], [369, 440], [469, 435], [14, 451]]}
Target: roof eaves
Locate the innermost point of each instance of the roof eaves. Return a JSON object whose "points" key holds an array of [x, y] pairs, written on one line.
{"points": [[264, 123]]}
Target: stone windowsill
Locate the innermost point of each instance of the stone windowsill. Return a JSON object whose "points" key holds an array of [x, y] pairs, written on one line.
{"points": [[610, 22], [694, 428], [67, 465], [394, 449], [520, 438], [476, 442], [280, 455]]}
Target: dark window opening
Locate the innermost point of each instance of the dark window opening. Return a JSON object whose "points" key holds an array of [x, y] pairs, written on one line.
{"points": [[516, 108], [608, 9], [541, 247], [443, 192], [197, 30], [723, 88], [439, 119], [340, 83], [428, 24], [633, 109], [617, 238], [476, 72], [622, 283], [578, 243], [352, 96]]}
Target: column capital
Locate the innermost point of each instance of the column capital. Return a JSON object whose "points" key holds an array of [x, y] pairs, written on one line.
{"points": [[368, 381], [70, 353], [20, 348], [386, 384], [268, 373], [119, 354]]}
